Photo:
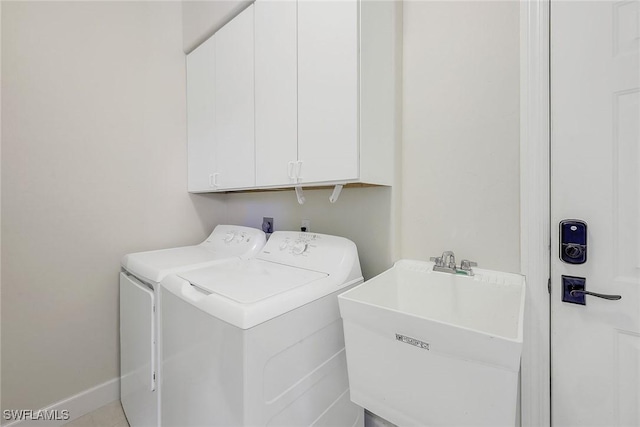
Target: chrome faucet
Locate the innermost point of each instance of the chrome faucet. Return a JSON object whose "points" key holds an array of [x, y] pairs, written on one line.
{"points": [[446, 263]]}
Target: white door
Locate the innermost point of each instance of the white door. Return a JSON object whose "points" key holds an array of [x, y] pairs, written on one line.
{"points": [[327, 90], [276, 91], [235, 103], [201, 117], [595, 122]]}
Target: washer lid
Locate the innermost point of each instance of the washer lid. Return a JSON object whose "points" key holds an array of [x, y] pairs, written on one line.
{"points": [[248, 282]]}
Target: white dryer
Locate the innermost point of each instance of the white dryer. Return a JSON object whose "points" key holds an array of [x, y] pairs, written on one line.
{"points": [[259, 342], [139, 317]]}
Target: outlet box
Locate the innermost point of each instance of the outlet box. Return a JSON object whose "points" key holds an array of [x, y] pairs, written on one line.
{"points": [[267, 224], [305, 225]]}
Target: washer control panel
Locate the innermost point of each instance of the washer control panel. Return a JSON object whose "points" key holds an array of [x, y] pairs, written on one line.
{"points": [[302, 244], [313, 251]]}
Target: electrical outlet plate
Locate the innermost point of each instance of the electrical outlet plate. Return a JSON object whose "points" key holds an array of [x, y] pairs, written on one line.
{"points": [[305, 225], [267, 224]]}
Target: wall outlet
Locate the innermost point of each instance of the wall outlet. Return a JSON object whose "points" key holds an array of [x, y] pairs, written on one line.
{"points": [[267, 224], [305, 225]]}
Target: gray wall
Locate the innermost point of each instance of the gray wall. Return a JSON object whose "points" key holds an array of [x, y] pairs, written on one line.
{"points": [[93, 167]]}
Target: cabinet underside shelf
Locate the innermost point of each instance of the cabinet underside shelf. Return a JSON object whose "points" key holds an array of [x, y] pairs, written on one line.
{"points": [[319, 187]]}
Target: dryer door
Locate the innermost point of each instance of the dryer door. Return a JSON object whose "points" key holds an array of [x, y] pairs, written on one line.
{"points": [[137, 352]]}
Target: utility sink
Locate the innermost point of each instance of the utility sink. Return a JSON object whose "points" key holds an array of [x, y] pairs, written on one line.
{"points": [[432, 348]]}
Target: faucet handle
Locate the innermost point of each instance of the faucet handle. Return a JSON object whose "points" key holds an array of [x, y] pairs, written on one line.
{"points": [[437, 260], [466, 265]]}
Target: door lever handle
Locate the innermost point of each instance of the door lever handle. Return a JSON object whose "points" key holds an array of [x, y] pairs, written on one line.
{"points": [[577, 292], [573, 291]]}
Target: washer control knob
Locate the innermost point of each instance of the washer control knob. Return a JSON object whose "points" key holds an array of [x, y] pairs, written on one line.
{"points": [[229, 236], [299, 248]]}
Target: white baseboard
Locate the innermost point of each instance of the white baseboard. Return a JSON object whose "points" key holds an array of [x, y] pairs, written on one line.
{"points": [[78, 405]]}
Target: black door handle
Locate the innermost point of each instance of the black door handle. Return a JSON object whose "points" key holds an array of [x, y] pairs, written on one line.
{"points": [[573, 291], [577, 292]]}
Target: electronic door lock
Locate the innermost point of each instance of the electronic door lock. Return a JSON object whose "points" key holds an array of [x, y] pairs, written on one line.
{"points": [[573, 241]]}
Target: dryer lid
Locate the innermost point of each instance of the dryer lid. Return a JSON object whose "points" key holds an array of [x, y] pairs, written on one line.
{"points": [[249, 282], [225, 242], [153, 266]]}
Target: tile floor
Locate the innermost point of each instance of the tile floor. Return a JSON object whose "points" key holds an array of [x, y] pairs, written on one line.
{"points": [[110, 415]]}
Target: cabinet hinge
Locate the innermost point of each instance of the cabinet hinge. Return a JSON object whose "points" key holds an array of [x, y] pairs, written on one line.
{"points": [[549, 285]]}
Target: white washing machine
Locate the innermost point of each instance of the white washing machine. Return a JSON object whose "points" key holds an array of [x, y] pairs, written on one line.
{"points": [[139, 318], [259, 342]]}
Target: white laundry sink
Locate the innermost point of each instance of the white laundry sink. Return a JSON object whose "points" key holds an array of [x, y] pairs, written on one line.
{"points": [[432, 348]]}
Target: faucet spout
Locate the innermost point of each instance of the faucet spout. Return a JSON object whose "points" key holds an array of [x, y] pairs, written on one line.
{"points": [[449, 259]]}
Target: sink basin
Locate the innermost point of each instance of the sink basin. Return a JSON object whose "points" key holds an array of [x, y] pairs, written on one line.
{"points": [[432, 348]]}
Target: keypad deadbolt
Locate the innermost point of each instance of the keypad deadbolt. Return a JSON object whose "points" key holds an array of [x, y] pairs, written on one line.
{"points": [[573, 241]]}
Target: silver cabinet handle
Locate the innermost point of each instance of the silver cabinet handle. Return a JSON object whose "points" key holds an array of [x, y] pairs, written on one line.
{"points": [[594, 294], [290, 167]]}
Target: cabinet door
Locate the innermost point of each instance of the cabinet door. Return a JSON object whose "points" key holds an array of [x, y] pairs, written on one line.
{"points": [[328, 90], [276, 92], [201, 118], [235, 103]]}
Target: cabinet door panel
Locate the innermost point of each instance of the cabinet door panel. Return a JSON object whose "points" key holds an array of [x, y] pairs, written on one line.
{"points": [[235, 102], [328, 90], [201, 116], [276, 92]]}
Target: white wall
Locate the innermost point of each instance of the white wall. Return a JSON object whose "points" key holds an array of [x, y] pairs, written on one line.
{"points": [[460, 163], [93, 167]]}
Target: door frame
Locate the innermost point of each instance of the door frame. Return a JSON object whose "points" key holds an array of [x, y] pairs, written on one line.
{"points": [[535, 213]]}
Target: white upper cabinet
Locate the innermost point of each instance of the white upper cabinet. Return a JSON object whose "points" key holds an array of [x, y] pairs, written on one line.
{"points": [[201, 117], [304, 93], [327, 90], [276, 77], [234, 99]]}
